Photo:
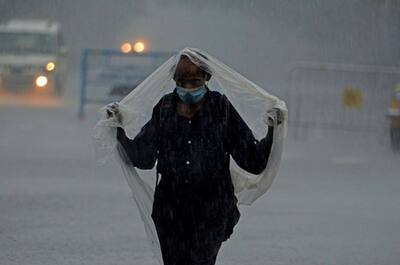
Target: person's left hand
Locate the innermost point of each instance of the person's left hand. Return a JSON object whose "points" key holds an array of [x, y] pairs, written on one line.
{"points": [[273, 115]]}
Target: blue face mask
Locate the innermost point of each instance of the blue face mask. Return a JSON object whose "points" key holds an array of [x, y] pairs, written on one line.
{"points": [[191, 96]]}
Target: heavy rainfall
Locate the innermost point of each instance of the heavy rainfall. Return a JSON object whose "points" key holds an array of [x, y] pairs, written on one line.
{"points": [[66, 186]]}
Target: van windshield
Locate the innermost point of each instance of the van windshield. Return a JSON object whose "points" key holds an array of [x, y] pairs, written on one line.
{"points": [[11, 42]]}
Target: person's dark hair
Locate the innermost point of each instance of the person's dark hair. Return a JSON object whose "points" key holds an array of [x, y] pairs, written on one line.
{"points": [[201, 65]]}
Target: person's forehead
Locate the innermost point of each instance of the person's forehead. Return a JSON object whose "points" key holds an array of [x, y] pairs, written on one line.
{"points": [[186, 68]]}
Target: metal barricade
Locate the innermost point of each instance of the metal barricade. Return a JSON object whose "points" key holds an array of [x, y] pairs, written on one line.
{"points": [[339, 96]]}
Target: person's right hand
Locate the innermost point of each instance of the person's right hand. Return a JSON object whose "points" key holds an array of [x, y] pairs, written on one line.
{"points": [[112, 110]]}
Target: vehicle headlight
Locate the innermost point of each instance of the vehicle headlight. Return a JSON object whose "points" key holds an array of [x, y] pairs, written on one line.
{"points": [[126, 47], [139, 47], [50, 66], [41, 81]]}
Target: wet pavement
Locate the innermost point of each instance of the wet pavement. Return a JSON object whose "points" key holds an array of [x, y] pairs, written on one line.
{"points": [[336, 200]]}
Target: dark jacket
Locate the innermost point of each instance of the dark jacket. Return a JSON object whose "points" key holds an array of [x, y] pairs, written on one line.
{"points": [[195, 192]]}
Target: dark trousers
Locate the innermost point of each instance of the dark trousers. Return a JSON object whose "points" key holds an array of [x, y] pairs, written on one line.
{"points": [[183, 248]]}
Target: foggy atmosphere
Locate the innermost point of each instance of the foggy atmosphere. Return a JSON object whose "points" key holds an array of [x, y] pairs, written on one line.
{"points": [[298, 162]]}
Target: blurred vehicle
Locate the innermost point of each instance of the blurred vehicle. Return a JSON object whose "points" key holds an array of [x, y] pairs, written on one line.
{"points": [[394, 118], [32, 57], [127, 72], [119, 91]]}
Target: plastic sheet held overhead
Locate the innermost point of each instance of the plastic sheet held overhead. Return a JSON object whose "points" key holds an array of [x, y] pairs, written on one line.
{"points": [[249, 100]]}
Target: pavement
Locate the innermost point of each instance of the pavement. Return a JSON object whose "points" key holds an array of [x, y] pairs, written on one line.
{"points": [[336, 199]]}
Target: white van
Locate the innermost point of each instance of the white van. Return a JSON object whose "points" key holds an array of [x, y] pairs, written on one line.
{"points": [[32, 57]]}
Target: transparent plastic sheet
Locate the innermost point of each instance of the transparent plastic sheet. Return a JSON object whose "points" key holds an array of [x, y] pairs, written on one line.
{"points": [[249, 100]]}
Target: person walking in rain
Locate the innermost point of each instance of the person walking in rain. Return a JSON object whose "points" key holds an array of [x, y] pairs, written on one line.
{"points": [[191, 136]]}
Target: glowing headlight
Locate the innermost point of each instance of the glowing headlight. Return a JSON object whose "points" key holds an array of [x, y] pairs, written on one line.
{"points": [[50, 66], [139, 47], [41, 81], [126, 47]]}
